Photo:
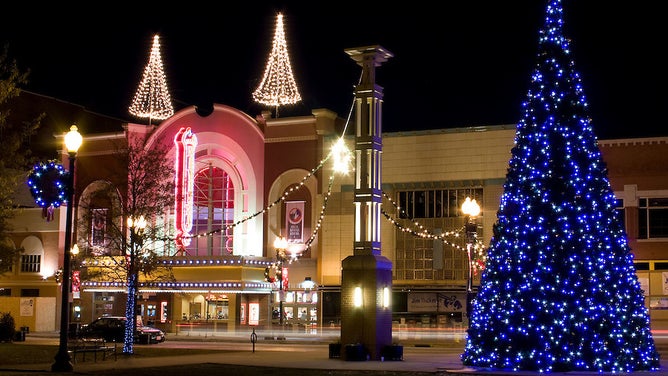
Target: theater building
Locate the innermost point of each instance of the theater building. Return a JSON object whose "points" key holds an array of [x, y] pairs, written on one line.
{"points": [[250, 180]]}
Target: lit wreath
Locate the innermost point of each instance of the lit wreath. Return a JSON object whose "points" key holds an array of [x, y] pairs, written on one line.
{"points": [[48, 184]]}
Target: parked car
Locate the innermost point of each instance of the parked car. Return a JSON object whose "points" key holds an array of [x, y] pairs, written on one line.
{"points": [[112, 329]]}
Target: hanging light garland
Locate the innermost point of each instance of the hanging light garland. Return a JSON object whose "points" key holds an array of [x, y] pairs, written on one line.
{"points": [[322, 213], [282, 198], [479, 253], [342, 158]]}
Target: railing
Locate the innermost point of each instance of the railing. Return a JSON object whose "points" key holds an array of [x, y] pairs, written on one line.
{"points": [[84, 346]]}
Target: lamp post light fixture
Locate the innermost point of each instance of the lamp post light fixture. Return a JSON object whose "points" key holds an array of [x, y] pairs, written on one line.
{"points": [[308, 284], [63, 361], [281, 245], [75, 264], [471, 209], [75, 250]]}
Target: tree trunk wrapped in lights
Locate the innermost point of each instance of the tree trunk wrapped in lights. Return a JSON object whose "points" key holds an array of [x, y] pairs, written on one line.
{"points": [[134, 237], [559, 292]]}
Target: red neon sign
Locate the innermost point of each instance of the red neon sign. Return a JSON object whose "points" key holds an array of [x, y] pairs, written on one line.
{"points": [[185, 142]]}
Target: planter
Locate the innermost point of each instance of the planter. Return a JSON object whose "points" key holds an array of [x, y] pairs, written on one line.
{"points": [[355, 352], [393, 352], [334, 350]]}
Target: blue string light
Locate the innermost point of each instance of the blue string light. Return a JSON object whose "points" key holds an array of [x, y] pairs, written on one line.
{"points": [[559, 292], [48, 184]]}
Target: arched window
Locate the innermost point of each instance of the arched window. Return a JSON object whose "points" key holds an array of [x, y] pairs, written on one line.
{"points": [[31, 259], [213, 212]]}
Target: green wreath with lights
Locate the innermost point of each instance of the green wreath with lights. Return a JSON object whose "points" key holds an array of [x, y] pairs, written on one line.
{"points": [[48, 184]]}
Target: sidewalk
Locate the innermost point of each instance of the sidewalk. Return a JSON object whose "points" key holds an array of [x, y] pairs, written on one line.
{"points": [[294, 356], [291, 353], [312, 359]]}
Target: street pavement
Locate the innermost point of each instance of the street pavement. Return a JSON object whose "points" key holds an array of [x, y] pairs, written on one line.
{"points": [[286, 350]]}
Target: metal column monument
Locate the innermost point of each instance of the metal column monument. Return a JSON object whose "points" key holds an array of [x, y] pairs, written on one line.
{"points": [[366, 277]]}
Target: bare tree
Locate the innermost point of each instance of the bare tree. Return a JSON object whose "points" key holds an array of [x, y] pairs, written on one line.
{"points": [[124, 220], [14, 154]]}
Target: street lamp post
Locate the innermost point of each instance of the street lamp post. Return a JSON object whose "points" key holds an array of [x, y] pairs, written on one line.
{"points": [[63, 361], [136, 226], [281, 245], [75, 284], [471, 209]]}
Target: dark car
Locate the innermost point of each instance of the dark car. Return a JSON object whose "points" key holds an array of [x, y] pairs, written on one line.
{"points": [[112, 329]]}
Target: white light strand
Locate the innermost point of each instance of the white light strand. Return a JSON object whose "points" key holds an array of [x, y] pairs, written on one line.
{"points": [[152, 99], [479, 252], [278, 86], [322, 213]]}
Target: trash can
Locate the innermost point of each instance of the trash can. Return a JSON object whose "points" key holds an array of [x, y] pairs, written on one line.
{"points": [[25, 329], [19, 336], [73, 330], [334, 350]]}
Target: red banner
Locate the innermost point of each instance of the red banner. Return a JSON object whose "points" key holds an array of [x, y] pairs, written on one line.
{"points": [[294, 221], [284, 279]]}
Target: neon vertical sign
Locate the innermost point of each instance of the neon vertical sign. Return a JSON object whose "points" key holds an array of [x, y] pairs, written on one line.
{"points": [[185, 141]]}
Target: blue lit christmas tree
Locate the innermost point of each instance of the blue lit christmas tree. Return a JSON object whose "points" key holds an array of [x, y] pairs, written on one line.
{"points": [[559, 291]]}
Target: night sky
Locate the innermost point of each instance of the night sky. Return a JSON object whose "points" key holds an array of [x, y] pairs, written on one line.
{"points": [[455, 64]]}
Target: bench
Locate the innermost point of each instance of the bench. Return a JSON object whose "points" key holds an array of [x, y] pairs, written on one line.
{"points": [[91, 345]]}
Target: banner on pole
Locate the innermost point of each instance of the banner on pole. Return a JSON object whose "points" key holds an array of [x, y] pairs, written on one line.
{"points": [[294, 221]]}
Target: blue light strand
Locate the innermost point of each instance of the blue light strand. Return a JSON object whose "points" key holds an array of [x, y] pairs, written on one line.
{"points": [[559, 292], [48, 184]]}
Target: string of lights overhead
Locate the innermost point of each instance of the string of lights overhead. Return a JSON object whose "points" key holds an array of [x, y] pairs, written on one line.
{"points": [[419, 230], [339, 152], [342, 159]]}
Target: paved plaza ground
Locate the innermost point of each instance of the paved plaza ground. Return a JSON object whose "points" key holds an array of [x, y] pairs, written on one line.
{"points": [[295, 356]]}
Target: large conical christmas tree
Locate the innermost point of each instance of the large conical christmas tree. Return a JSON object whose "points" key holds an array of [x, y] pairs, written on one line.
{"points": [[559, 291], [278, 86], [152, 99]]}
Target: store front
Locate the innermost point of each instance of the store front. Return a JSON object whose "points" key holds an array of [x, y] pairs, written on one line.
{"points": [[300, 308]]}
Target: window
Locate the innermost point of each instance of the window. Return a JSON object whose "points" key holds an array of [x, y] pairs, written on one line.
{"points": [[620, 213], [438, 203], [31, 263], [98, 227], [213, 212], [653, 218], [434, 209], [31, 293]]}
